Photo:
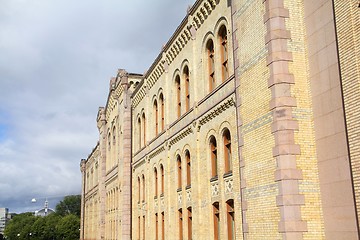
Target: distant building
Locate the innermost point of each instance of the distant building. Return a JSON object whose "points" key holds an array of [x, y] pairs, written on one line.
{"points": [[4, 218], [44, 211]]}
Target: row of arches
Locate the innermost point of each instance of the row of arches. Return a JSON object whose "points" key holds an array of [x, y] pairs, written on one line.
{"points": [[112, 148], [216, 55]]}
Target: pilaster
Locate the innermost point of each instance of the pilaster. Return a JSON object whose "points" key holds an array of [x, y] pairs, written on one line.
{"points": [[280, 82], [126, 170], [101, 124], [239, 123]]}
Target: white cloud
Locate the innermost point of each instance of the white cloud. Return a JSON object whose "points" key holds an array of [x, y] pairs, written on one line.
{"points": [[57, 57]]}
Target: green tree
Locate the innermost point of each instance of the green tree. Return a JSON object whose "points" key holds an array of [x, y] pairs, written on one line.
{"points": [[68, 227], [38, 228], [20, 226], [50, 226], [69, 205], [63, 225]]}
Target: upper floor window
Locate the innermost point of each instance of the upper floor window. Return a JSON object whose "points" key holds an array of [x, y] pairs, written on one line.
{"points": [[162, 179], [139, 132], [211, 64], [224, 52], [227, 151], [139, 189], [162, 111], [187, 88], [178, 161], [144, 128], [213, 156], [188, 168], [109, 141], [143, 188], [178, 95], [114, 136], [156, 113], [156, 181]]}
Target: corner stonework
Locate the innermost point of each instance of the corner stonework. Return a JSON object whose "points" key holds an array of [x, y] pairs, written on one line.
{"points": [[289, 201]]}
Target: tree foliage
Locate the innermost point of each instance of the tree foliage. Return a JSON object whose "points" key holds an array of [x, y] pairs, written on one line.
{"points": [[68, 227], [56, 226], [69, 205]]}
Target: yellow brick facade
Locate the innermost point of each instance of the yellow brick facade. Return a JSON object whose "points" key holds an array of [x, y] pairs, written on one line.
{"points": [[225, 136]]}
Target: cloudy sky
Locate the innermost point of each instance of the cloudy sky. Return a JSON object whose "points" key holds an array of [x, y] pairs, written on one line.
{"points": [[56, 59]]}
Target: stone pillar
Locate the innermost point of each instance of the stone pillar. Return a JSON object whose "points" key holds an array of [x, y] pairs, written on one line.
{"points": [[101, 124], [126, 170], [83, 182], [289, 201], [244, 224]]}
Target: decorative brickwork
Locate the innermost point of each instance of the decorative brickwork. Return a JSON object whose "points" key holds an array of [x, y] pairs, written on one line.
{"points": [[244, 127]]}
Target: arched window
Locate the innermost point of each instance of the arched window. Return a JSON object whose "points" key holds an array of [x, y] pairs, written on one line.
{"points": [[139, 189], [162, 226], [188, 168], [224, 52], [230, 215], [144, 128], [178, 95], [227, 151], [216, 216], [187, 88], [211, 64], [143, 188], [156, 226], [139, 132], [162, 111], [213, 156], [109, 141], [156, 113], [180, 224], [144, 223], [114, 136], [139, 226], [156, 181], [178, 161], [189, 223], [162, 179]]}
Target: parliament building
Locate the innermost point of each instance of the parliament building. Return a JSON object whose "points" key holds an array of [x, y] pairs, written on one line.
{"points": [[246, 126]]}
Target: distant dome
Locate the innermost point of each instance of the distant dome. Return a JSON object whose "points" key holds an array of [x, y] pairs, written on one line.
{"points": [[44, 211]]}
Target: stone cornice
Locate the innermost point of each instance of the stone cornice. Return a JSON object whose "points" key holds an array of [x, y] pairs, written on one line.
{"points": [[180, 135], [92, 192], [157, 152], [216, 111]]}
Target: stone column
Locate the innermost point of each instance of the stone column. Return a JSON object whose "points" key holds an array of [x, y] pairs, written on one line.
{"points": [[101, 124], [239, 123], [83, 182], [126, 170], [289, 201]]}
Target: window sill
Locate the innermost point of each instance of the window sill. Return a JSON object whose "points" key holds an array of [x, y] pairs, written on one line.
{"points": [[213, 179], [228, 174]]}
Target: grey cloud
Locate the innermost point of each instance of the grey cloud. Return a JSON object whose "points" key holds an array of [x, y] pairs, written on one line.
{"points": [[57, 57]]}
